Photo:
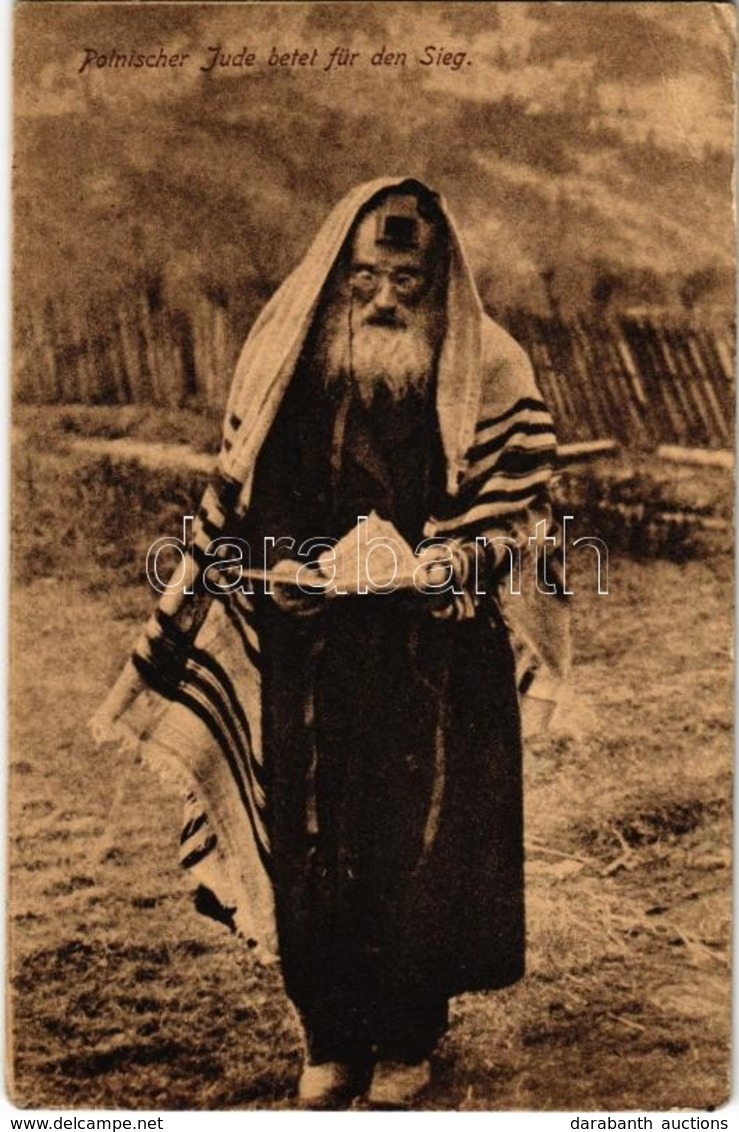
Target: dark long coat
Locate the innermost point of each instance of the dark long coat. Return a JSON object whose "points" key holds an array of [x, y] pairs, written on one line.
{"points": [[391, 738]]}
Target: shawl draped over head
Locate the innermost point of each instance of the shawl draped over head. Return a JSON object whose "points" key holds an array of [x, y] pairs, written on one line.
{"points": [[200, 717]]}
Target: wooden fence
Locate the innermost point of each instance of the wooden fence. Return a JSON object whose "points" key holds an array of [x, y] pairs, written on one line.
{"points": [[641, 380]]}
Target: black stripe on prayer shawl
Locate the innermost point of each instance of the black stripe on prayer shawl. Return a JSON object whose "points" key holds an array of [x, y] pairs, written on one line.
{"points": [[479, 451], [522, 461], [502, 496], [514, 465], [200, 558], [475, 493], [208, 904], [191, 828], [162, 677], [202, 711], [491, 491], [527, 679], [231, 710], [211, 529], [197, 855], [250, 770], [519, 407], [233, 744], [489, 524], [227, 492], [221, 497]]}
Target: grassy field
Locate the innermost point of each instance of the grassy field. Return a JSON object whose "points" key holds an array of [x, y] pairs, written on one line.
{"points": [[123, 997]]}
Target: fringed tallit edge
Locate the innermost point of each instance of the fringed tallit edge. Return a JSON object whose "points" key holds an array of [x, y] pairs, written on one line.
{"points": [[215, 872]]}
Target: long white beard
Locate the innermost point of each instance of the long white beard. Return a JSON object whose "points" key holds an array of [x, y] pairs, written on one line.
{"points": [[399, 357]]}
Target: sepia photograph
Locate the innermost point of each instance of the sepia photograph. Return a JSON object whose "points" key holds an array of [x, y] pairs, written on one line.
{"points": [[372, 558]]}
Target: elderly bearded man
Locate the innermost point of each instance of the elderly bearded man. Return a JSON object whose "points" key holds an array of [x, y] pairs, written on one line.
{"points": [[356, 759]]}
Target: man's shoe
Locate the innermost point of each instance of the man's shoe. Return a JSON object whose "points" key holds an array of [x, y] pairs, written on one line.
{"points": [[329, 1085], [396, 1084]]}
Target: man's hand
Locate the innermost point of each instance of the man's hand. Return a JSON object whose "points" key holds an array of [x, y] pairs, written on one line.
{"points": [[444, 574], [439, 567], [291, 598]]}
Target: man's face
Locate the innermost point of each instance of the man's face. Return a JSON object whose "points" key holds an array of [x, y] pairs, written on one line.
{"points": [[385, 319], [386, 283]]}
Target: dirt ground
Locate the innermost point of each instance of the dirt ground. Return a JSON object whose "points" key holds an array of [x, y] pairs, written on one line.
{"points": [[121, 996]]}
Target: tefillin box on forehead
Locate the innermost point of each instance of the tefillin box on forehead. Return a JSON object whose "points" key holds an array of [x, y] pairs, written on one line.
{"points": [[401, 225], [397, 223]]}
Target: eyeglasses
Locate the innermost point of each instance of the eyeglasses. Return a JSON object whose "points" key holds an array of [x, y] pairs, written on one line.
{"points": [[406, 284]]}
